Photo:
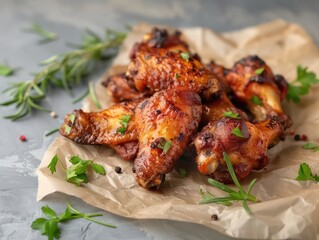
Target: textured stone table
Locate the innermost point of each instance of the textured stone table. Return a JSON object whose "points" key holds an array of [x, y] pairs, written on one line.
{"points": [[18, 160]]}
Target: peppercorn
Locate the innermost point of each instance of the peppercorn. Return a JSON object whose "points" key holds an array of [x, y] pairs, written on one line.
{"points": [[303, 137], [214, 217], [297, 137], [23, 138], [133, 169], [118, 169]]}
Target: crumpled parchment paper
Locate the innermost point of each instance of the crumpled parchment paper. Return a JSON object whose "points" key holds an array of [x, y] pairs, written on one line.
{"points": [[289, 208]]}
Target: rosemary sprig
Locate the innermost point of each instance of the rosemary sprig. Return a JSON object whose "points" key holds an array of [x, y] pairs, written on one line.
{"points": [[240, 195], [46, 35], [62, 71]]}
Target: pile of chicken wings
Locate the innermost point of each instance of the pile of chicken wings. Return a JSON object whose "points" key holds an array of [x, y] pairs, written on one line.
{"points": [[168, 101]]}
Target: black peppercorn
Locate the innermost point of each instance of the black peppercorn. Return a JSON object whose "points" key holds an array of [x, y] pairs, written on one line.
{"points": [[214, 217], [297, 137], [118, 169]]}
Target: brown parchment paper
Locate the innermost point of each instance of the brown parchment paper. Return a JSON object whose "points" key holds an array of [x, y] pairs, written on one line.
{"points": [[289, 208]]}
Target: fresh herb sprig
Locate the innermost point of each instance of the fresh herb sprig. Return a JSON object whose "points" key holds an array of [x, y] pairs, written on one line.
{"points": [[46, 36], [301, 86], [305, 173], [62, 71], [77, 173], [49, 226], [240, 195]]}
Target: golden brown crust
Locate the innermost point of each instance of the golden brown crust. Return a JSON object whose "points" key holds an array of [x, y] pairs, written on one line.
{"points": [[168, 116]]}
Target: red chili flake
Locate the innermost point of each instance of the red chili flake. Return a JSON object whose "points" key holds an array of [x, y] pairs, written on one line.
{"points": [[23, 138], [303, 137]]}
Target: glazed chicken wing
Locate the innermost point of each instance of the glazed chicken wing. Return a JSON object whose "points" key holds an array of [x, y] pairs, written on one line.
{"points": [[102, 128], [165, 123], [253, 82], [247, 152], [157, 69]]}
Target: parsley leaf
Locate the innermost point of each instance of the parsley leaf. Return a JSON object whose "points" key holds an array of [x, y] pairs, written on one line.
{"points": [[301, 86], [305, 173], [77, 173], [182, 172], [256, 100], [311, 146], [185, 56], [6, 70], [49, 226], [259, 71], [52, 164], [237, 132], [72, 118], [67, 129], [176, 76], [124, 122], [231, 114]]}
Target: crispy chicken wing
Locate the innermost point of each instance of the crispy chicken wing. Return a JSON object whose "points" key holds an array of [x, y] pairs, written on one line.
{"points": [[165, 123], [247, 152], [155, 69], [101, 128], [253, 82], [120, 90]]}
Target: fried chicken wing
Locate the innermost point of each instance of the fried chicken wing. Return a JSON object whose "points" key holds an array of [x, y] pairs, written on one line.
{"points": [[247, 152], [165, 123], [160, 38], [155, 69], [251, 78], [120, 90], [102, 128]]}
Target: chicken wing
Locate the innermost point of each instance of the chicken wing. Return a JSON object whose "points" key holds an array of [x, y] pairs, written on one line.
{"points": [[155, 69], [253, 81], [105, 128], [165, 123], [247, 151]]}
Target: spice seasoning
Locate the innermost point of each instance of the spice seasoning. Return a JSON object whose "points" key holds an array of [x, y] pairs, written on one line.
{"points": [[118, 169]]}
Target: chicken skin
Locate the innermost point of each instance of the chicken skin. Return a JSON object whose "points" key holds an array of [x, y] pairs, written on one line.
{"points": [[104, 128], [247, 151], [165, 124], [155, 69]]}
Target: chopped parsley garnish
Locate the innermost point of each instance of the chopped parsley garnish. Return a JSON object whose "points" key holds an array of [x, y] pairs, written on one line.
{"points": [[165, 145], [301, 86], [231, 114], [237, 132], [305, 173], [185, 56], [259, 71], [67, 129], [124, 122], [256, 100], [72, 118], [182, 172], [176, 76]]}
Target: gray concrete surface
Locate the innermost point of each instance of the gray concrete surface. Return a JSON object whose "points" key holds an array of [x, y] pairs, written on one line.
{"points": [[18, 161]]}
